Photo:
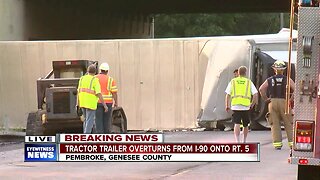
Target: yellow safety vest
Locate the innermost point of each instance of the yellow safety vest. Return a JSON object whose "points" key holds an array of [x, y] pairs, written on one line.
{"points": [[240, 91], [88, 89]]}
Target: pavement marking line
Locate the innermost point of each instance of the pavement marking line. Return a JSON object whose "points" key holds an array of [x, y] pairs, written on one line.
{"points": [[22, 165], [180, 173]]}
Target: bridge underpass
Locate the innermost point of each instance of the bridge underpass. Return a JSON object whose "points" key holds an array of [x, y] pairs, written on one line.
{"points": [[108, 19]]}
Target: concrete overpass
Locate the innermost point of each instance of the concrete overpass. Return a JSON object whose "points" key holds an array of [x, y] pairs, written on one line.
{"points": [[107, 19], [196, 6]]}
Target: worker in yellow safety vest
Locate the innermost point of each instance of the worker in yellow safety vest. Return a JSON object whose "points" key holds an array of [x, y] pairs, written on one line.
{"points": [[88, 94], [240, 90], [236, 74], [276, 88], [109, 93]]}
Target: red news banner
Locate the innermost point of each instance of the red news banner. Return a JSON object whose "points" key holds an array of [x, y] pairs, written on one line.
{"points": [[149, 147]]}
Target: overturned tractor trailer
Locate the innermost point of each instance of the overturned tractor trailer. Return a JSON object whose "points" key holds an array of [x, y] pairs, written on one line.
{"points": [[193, 72], [258, 53]]}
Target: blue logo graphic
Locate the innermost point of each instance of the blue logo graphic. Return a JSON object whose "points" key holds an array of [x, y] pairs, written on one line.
{"points": [[40, 152]]}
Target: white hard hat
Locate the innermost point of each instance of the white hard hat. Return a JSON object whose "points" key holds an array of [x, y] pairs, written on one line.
{"points": [[279, 65], [104, 66]]}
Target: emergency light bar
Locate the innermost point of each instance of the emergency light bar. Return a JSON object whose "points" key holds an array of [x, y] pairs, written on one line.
{"points": [[303, 133]]}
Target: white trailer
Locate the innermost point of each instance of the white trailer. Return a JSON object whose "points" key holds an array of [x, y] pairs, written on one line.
{"points": [[257, 52], [161, 81]]}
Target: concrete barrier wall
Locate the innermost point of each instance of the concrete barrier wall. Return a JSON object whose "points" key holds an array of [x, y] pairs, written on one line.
{"points": [[160, 81]]}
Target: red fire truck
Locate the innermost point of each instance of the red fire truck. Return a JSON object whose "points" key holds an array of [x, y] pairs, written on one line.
{"points": [[306, 145]]}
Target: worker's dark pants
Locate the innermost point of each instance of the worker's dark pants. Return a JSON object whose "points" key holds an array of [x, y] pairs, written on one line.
{"points": [[276, 110], [103, 120]]}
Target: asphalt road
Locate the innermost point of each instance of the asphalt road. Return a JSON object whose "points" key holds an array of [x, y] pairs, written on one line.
{"points": [[273, 164]]}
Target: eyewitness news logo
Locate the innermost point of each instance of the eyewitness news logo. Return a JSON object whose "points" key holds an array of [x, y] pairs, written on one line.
{"points": [[40, 152], [40, 148]]}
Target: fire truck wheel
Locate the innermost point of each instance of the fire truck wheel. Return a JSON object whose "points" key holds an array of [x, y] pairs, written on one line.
{"points": [[308, 172]]}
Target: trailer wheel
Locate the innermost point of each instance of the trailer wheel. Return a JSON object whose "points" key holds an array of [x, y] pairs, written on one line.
{"points": [[124, 125], [260, 124], [34, 125], [308, 172], [119, 119]]}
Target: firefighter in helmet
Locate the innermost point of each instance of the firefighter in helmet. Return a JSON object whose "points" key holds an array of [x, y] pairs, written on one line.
{"points": [[275, 87]]}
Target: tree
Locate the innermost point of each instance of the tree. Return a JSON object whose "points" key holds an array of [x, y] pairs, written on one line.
{"points": [[194, 25]]}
